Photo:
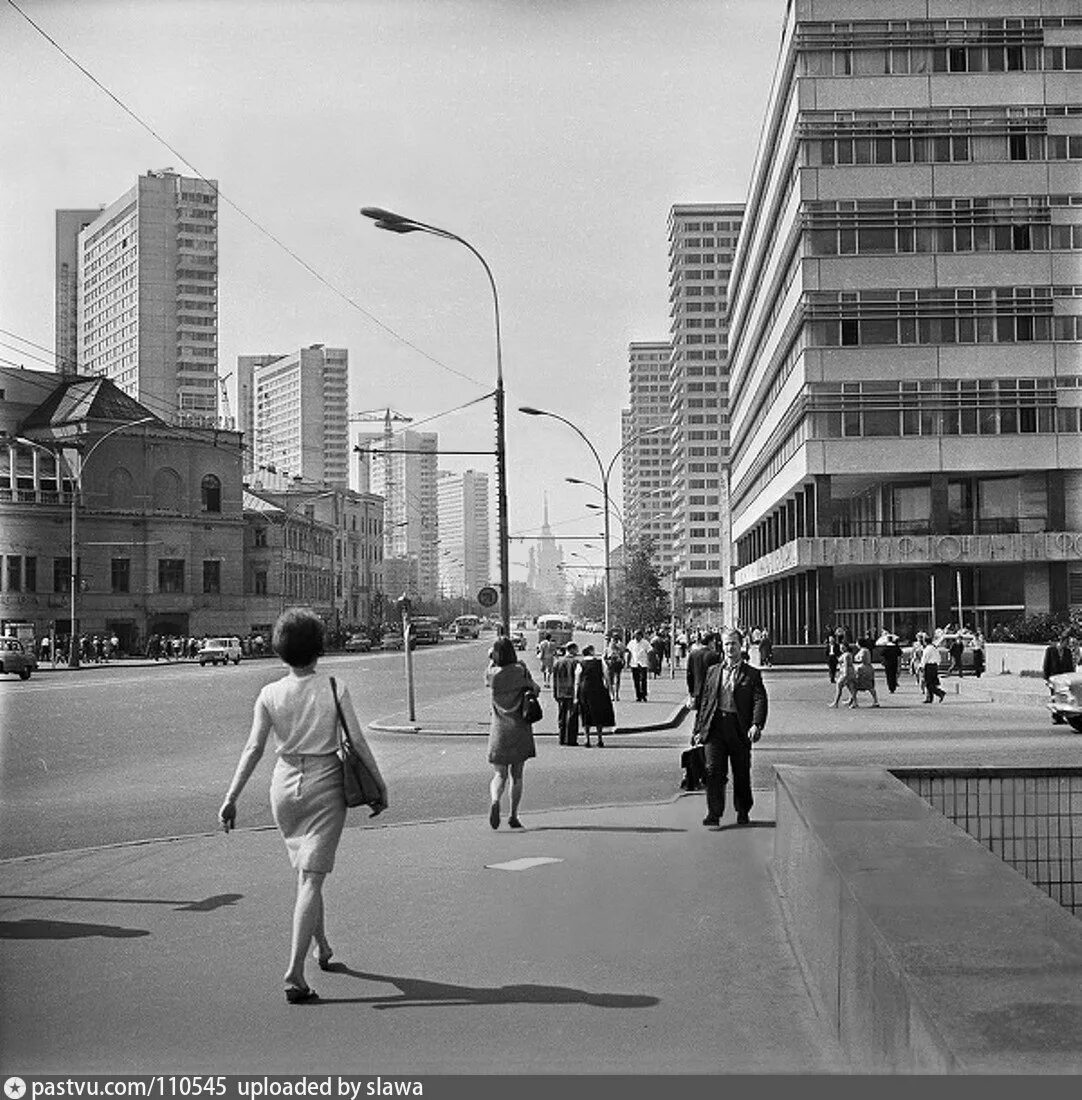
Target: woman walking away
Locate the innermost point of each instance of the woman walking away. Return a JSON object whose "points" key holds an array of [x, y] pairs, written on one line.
{"points": [[847, 677], [510, 738], [306, 789], [865, 671], [592, 693], [615, 657]]}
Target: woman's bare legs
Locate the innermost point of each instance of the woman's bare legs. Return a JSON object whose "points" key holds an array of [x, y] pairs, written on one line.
{"points": [[307, 924], [516, 789]]}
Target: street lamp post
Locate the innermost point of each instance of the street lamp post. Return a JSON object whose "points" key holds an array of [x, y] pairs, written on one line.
{"points": [[606, 473], [397, 223], [76, 492]]}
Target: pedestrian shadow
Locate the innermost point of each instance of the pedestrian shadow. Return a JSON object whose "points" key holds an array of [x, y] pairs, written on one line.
{"points": [[64, 930], [206, 905], [750, 825], [420, 993], [644, 829]]}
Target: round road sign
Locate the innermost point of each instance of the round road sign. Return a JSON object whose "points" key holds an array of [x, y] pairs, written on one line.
{"points": [[488, 596]]}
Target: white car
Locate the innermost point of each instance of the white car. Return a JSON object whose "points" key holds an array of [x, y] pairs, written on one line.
{"points": [[1066, 698], [220, 651]]}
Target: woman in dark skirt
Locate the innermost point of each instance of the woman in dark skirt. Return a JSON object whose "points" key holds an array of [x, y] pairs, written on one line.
{"points": [[593, 695]]}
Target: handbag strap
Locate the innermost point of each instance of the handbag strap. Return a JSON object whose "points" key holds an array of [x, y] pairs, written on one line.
{"points": [[343, 734]]}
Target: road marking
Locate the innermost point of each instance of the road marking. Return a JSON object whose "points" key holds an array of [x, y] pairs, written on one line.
{"points": [[524, 864]]}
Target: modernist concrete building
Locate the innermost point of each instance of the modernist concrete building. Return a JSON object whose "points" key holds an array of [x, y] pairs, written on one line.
{"points": [[293, 410], [146, 297], [647, 459], [160, 533], [69, 224], [464, 555], [702, 242], [905, 315], [402, 468]]}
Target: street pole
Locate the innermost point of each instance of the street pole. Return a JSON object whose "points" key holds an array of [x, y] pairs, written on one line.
{"points": [[397, 223], [605, 473]]}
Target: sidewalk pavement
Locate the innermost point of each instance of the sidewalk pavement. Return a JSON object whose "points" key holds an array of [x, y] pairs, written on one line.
{"points": [[468, 714], [629, 939]]}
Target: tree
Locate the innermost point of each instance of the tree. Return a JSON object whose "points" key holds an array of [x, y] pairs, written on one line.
{"points": [[642, 601], [589, 604]]}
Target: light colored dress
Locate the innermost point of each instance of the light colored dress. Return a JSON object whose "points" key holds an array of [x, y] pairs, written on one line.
{"points": [[510, 738], [306, 787]]}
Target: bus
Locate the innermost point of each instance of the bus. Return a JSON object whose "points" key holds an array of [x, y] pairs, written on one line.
{"points": [[467, 626], [560, 628], [424, 630]]}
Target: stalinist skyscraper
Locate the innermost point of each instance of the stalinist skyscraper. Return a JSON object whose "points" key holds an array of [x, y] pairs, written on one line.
{"points": [[544, 573]]}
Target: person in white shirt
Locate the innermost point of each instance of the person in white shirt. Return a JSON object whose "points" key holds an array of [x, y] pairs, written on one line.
{"points": [[638, 660], [299, 716], [929, 667]]}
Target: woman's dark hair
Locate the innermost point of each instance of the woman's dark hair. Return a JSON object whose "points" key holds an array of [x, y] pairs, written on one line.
{"points": [[503, 652], [298, 636], [587, 651]]}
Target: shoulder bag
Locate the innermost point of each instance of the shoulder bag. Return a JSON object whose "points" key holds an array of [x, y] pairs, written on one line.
{"points": [[358, 782], [530, 708]]}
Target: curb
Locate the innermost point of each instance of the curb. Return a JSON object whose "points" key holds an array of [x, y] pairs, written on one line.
{"points": [[387, 726]]}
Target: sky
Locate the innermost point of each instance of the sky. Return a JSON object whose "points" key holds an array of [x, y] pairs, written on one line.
{"points": [[553, 135]]}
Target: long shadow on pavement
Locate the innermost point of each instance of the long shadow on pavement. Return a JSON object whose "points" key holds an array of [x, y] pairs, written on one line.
{"points": [[419, 993], [206, 905], [64, 930]]}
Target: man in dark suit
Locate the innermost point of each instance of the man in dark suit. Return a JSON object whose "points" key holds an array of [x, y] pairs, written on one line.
{"points": [[1057, 658], [730, 716]]}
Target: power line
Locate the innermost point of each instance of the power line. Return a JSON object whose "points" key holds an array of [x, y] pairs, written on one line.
{"points": [[259, 227]]}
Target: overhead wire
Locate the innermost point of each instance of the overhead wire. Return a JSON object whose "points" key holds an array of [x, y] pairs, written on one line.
{"points": [[258, 226]]}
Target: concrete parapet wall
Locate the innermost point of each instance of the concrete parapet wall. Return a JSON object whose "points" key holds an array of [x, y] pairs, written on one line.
{"points": [[923, 951]]}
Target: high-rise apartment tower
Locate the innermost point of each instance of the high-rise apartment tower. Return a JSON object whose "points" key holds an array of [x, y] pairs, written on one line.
{"points": [[296, 419], [146, 298], [702, 242]]}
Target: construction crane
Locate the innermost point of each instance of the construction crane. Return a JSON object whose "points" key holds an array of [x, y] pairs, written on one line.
{"points": [[225, 419], [388, 416]]}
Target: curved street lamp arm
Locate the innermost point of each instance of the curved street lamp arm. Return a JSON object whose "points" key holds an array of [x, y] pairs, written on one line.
{"points": [[112, 431]]}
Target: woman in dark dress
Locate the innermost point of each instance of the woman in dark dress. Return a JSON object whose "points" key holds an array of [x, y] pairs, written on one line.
{"points": [[510, 738], [593, 695]]}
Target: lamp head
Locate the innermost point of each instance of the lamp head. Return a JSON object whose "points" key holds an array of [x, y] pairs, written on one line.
{"points": [[574, 481], [529, 410]]}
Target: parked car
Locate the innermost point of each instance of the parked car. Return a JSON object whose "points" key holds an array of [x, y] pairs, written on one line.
{"points": [[1066, 698], [220, 651], [358, 643], [518, 639], [15, 657], [392, 639]]}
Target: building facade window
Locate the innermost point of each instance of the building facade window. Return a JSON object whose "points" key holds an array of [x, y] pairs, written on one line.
{"points": [[171, 575], [61, 574], [211, 493], [13, 581], [212, 577], [121, 574], [30, 574], [260, 582]]}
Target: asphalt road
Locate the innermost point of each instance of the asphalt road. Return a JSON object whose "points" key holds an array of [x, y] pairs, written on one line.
{"points": [[115, 754]]}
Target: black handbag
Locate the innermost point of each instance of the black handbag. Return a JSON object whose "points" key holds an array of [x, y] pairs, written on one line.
{"points": [[531, 706], [359, 785]]}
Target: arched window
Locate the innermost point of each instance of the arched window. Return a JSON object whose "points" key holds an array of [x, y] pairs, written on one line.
{"points": [[121, 489], [211, 491], [167, 490]]}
